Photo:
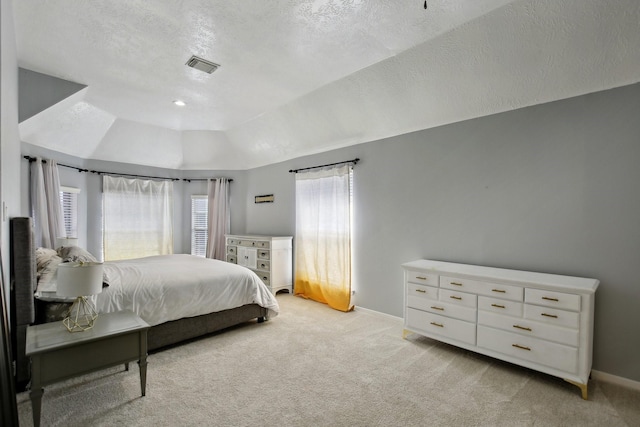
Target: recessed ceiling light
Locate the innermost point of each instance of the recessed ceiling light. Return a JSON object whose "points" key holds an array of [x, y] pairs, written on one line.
{"points": [[179, 103]]}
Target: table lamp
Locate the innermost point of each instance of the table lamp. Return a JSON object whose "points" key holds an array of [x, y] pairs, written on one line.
{"points": [[79, 280]]}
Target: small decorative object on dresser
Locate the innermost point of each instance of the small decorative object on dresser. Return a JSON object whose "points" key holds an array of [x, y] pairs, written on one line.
{"points": [[270, 257], [536, 320]]}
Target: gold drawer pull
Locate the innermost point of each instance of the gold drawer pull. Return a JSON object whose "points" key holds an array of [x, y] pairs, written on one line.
{"points": [[422, 291], [421, 278], [497, 306], [524, 328], [456, 283], [550, 299], [501, 291], [521, 347], [549, 315], [439, 325], [455, 297], [437, 308]]}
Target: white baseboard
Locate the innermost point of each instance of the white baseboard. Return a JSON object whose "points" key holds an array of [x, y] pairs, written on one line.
{"points": [[614, 379], [379, 313]]}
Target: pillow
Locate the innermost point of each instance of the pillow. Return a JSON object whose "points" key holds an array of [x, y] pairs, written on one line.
{"points": [[47, 274], [75, 254], [43, 256]]}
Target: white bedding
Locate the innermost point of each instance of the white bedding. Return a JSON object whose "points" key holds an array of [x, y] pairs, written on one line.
{"points": [[169, 287]]}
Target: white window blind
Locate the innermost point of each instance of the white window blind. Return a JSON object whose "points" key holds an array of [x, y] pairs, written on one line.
{"points": [[199, 206], [69, 203]]}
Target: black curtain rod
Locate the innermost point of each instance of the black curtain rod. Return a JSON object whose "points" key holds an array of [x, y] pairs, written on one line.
{"points": [[203, 179], [354, 161], [33, 159]]}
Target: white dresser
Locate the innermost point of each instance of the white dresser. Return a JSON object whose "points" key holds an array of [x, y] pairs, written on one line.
{"points": [[540, 321], [270, 257]]}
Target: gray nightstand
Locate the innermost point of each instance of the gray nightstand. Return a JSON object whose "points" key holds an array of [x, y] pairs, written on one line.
{"points": [[57, 354]]}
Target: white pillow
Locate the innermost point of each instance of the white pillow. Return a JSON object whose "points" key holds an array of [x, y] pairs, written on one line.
{"points": [[47, 274], [43, 256]]}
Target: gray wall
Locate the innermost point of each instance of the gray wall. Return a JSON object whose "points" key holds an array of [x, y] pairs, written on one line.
{"points": [[551, 188], [40, 91]]}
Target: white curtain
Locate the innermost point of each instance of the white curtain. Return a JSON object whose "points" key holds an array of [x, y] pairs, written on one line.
{"points": [[138, 218], [218, 217], [323, 236], [45, 203]]}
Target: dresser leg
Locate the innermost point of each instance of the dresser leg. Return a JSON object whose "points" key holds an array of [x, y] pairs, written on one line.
{"points": [[582, 387], [406, 333]]}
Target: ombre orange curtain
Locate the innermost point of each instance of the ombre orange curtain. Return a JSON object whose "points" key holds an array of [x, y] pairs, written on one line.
{"points": [[323, 236]]}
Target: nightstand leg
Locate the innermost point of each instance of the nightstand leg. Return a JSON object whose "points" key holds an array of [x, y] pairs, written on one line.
{"points": [[143, 375], [36, 404], [582, 387], [143, 362]]}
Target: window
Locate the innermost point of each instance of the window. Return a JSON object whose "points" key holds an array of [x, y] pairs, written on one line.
{"points": [[69, 204], [138, 218], [199, 208]]}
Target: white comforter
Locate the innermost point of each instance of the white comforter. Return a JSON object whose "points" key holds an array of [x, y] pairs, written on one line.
{"points": [[169, 287]]}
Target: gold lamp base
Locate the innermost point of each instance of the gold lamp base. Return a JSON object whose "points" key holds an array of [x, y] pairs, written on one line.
{"points": [[80, 316]]}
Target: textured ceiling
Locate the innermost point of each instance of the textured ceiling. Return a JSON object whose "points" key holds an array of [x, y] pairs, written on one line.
{"points": [[301, 77]]}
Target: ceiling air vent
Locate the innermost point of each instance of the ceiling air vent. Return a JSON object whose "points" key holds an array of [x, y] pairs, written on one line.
{"points": [[202, 64]]}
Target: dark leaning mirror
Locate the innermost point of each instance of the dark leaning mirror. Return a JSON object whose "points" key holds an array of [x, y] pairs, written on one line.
{"points": [[9, 410]]}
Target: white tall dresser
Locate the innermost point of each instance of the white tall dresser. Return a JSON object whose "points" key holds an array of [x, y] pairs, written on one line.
{"points": [[270, 257], [536, 320]]}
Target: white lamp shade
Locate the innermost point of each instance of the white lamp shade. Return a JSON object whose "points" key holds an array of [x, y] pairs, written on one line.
{"points": [[67, 241], [77, 279]]}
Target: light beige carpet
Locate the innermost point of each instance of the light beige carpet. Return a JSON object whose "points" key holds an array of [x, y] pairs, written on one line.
{"points": [[314, 366]]}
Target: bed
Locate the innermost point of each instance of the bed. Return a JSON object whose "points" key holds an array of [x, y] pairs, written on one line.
{"points": [[190, 307]]}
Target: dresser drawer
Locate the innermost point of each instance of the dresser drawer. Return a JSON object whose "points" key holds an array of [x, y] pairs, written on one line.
{"points": [[262, 254], [232, 259], [567, 319], [513, 293], [263, 265], [459, 298], [552, 299], [495, 305], [264, 276], [458, 284], [253, 243], [232, 241], [557, 356], [232, 250], [420, 291], [458, 330], [467, 314], [422, 278], [530, 328]]}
